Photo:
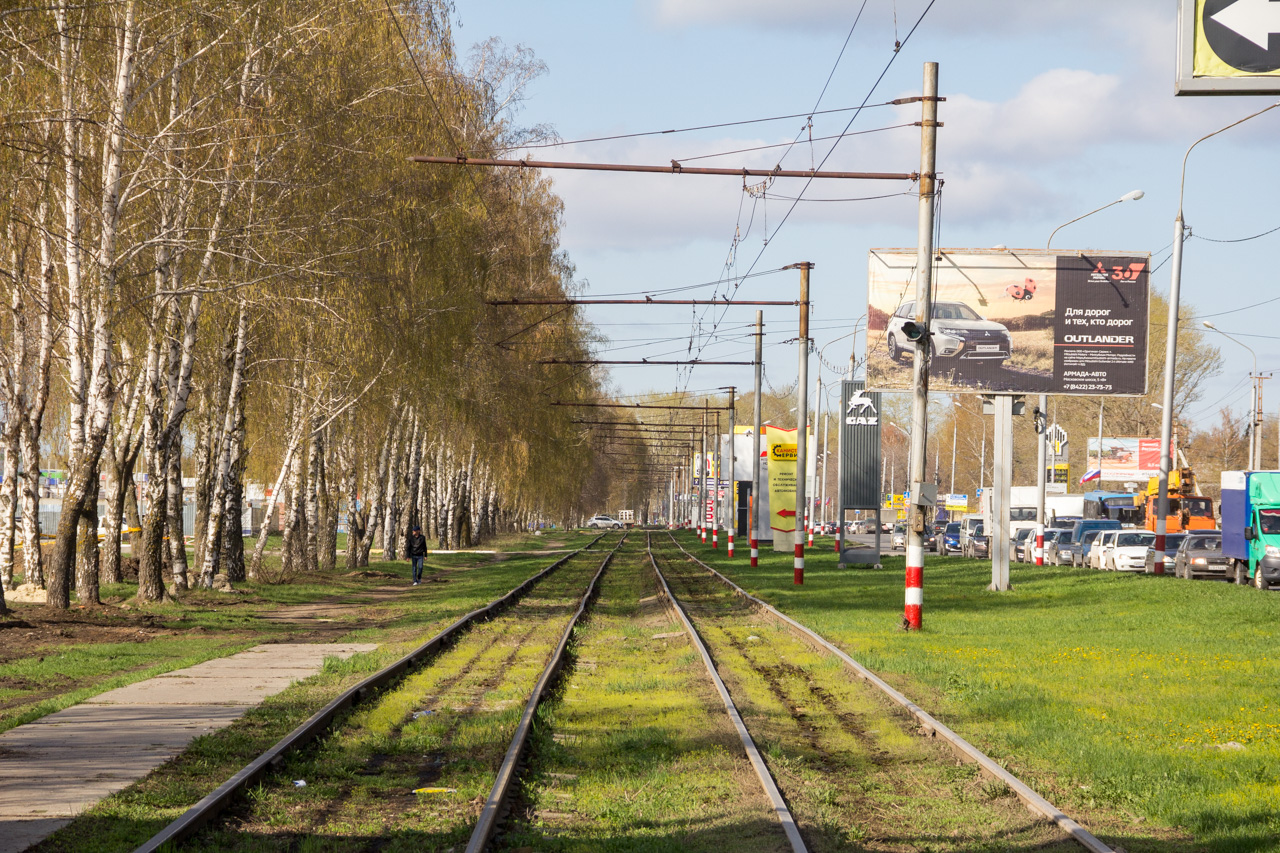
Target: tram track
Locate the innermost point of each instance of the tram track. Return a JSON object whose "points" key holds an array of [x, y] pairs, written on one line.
{"points": [[450, 677], [843, 756]]}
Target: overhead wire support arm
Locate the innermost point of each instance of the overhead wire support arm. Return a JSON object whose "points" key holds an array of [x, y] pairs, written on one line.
{"points": [[792, 303], [633, 406], [675, 168], [695, 361]]}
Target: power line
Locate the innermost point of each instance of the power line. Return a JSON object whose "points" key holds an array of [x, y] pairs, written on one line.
{"points": [[641, 134]]}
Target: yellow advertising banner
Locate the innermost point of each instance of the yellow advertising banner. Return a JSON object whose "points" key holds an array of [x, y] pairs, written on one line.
{"points": [[782, 478], [1231, 39]]}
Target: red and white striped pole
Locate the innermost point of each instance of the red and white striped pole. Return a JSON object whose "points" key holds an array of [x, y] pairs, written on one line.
{"points": [[730, 542], [808, 523], [1039, 544], [715, 536], [915, 586], [799, 575], [927, 186]]}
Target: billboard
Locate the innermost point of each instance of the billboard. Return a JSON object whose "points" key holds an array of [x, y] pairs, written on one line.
{"points": [[1125, 457], [1009, 321], [859, 447], [781, 452]]}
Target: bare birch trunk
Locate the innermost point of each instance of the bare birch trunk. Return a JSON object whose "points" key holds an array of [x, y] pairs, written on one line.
{"points": [[311, 504], [173, 513]]}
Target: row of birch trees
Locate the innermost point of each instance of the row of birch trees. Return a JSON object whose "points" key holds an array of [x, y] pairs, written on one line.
{"points": [[219, 263]]}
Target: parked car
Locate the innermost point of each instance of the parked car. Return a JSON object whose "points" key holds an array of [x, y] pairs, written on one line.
{"points": [[979, 543], [1087, 539], [967, 525], [1200, 556], [1129, 551], [1172, 542], [1019, 542], [1053, 554], [957, 334], [604, 522], [949, 541], [1101, 549]]}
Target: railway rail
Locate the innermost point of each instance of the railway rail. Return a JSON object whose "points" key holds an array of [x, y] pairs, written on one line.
{"points": [[325, 720], [1034, 803]]}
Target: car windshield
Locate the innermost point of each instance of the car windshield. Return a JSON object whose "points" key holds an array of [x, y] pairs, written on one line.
{"points": [[953, 528], [1026, 513], [1173, 540], [1090, 536], [1129, 540], [1204, 543], [1023, 534], [977, 531], [1064, 538], [953, 311]]}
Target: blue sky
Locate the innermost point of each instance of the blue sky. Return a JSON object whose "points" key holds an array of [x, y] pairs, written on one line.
{"points": [[1054, 108]]}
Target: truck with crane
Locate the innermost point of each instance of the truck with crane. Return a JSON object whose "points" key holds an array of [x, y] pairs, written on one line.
{"points": [[1188, 508]]}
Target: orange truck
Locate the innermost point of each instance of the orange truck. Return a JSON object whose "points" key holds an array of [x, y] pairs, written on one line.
{"points": [[1188, 509]]}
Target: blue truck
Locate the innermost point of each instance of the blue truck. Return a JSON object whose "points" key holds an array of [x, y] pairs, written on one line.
{"points": [[1251, 526]]}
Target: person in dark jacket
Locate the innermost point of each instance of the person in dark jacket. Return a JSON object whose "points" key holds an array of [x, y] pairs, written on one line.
{"points": [[415, 551]]}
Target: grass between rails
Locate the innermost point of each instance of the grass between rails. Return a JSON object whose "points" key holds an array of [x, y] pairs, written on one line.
{"points": [[856, 774], [446, 726], [1137, 704], [638, 754], [128, 818]]}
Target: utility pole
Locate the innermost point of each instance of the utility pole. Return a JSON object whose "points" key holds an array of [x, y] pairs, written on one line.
{"points": [[702, 482], [1040, 422], [914, 606], [802, 418], [712, 497], [730, 514], [755, 444]]}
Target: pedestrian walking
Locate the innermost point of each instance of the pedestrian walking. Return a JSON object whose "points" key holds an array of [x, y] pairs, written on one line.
{"points": [[415, 551]]}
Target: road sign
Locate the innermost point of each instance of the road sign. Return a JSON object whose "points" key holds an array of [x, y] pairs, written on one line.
{"points": [[1228, 47]]}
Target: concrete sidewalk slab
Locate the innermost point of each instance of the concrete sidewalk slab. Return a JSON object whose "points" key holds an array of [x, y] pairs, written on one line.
{"points": [[58, 766]]}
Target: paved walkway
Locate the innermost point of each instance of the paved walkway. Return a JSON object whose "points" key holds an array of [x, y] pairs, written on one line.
{"points": [[60, 765]]}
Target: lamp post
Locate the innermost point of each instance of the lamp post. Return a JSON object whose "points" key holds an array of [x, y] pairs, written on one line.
{"points": [[1171, 344], [1255, 416], [1042, 452]]}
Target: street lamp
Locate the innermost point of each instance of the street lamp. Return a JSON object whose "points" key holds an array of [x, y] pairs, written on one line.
{"points": [[1255, 416], [1133, 195], [1171, 345]]}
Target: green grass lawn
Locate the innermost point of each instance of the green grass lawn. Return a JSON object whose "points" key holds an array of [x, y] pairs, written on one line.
{"points": [[1134, 695]]}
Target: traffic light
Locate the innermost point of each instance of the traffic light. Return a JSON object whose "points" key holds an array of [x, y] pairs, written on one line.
{"points": [[914, 331]]}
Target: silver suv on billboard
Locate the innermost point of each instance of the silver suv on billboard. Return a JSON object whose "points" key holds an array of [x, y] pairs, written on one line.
{"points": [[957, 332]]}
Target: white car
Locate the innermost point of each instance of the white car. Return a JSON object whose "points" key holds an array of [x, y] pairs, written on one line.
{"points": [[1129, 549], [1101, 550], [604, 522]]}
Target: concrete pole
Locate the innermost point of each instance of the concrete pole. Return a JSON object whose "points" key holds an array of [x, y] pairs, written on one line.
{"points": [[716, 506], [1041, 424], [802, 420], [701, 509], [914, 606], [999, 503], [756, 485], [1166, 413], [731, 482]]}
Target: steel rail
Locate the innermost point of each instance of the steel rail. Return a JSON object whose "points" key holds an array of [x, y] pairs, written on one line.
{"points": [[202, 812], [492, 810], [776, 800], [1035, 803]]}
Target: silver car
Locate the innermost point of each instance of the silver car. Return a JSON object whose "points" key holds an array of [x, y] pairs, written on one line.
{"points": [[957, 332], [604, 522]]}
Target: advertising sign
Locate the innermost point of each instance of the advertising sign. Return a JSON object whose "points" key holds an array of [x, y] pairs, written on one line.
{"points": [[782, 478], [1125, 458], [1227, 47], [1009, 321], [859, 447], [957, 503]]}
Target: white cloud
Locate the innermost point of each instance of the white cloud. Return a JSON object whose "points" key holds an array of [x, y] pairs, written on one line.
{"points": [[983, 17]]}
